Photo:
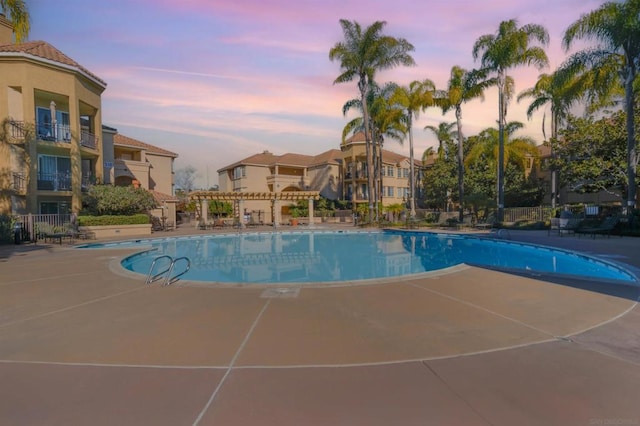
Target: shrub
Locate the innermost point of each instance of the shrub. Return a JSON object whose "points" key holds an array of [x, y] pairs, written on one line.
{"points": [[138, 219], [117, 200]]}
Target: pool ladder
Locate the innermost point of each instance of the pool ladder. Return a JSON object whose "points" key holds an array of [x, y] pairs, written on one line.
{"points": [[166, 273]]}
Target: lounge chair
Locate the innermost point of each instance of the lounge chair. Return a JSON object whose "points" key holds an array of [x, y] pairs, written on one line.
{"points": [[564, 226], [603, 228], [488, 223]]}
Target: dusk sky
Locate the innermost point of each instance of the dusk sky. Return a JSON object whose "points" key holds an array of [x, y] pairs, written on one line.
{"points": [[216, 81]]}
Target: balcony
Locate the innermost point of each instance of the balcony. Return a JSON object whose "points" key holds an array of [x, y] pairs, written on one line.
{"points": [[53, 132], [88, 140], [54, 181], [16, 132], [281, 181], [18, 183]]}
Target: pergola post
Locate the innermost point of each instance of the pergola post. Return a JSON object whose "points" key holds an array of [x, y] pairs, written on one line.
{"points": [[310, 211], [275, 198], [276, 212], [204, 212]]}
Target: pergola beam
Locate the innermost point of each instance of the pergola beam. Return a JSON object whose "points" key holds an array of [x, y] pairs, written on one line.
{"points": [[250, 196]]}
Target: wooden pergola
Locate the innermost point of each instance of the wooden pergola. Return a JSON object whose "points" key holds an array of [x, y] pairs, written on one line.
{"points": [[202, 198]]}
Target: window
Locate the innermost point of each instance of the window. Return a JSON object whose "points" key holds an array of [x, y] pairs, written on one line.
{"points": [[54, 207], [239, 172], [390, 170], [389, 191], [405, 173], [54, 173], [50, 131]]}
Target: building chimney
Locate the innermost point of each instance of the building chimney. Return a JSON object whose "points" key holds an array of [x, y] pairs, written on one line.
{"points": [[6, 30]]}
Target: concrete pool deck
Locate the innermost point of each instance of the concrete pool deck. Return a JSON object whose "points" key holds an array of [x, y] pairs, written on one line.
{"points": [[80, 344]]}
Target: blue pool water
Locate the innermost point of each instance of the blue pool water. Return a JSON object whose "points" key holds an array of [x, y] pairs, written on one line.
{"points": [[310, 257]]}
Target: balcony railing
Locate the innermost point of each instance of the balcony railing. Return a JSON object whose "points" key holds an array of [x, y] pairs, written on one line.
{"points": [[16, 131], [54, 181], [18, 182], [53, 132], [88, 140]]}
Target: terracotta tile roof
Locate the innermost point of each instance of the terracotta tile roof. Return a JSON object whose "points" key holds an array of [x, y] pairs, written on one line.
{"points": [[333, 156], [161, 197], [121, 140], [265, 158], [290, 159], [358, 137], [44, 50]]}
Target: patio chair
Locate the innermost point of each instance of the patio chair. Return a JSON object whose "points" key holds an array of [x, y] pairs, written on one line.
{"points": [[488, 223], [603, 228]]}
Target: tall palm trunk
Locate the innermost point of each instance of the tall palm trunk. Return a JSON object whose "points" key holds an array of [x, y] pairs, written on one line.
{"points": [[460, 163], [363, 85], [501, 120], [554, 172], [632, 155], [412, 184]]}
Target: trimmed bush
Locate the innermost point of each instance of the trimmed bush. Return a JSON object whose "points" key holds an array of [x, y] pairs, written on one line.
{"points": [[138, 219]]}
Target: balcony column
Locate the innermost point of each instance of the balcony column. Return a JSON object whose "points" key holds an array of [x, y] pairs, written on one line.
{"points": [[76, 161]]}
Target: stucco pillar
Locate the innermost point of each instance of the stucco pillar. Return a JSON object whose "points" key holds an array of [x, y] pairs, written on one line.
{"points": [[241, 213], [204, 212], [75, 158], [310, 211], [276, 212]]}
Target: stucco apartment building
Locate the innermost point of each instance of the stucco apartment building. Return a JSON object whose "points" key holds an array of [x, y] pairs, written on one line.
{"points": [[145, 166], [52, 116], [53, 144], [335, 174]]}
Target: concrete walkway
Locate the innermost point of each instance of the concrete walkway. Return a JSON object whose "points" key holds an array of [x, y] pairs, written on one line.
{"points": [[81, 344]]}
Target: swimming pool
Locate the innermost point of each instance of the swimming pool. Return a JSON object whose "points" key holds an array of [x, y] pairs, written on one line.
{"points": [[336, 256]]}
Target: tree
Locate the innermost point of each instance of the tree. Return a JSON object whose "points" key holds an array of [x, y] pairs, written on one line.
{"points": [[443, 133], [616, 28], [361, 55], [463, 86], [560, 91], [185, 178], [385, 122], [508, 48], [515, 149], [18, 15], [440, 178], [591, 153], [413, 99]]}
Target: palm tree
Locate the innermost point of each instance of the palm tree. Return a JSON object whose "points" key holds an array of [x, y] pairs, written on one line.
{"points": [[616, 28], [516, 149], [18, 14], [429, 152], [385, 122], [361, 55], [443, 132], [463, 86], [413, 99], [559, 92], [508, 48]]}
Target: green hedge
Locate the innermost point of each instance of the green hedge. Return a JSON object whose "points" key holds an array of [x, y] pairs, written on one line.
{"points": [[137, 219]]}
